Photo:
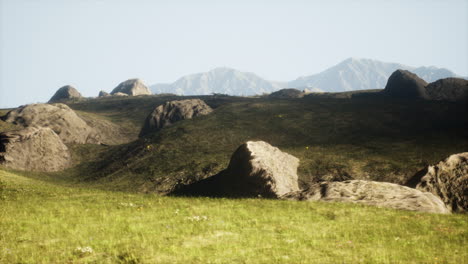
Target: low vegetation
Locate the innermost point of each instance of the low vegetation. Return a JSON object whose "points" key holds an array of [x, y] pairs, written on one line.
{"points": [[384, 139], [107, 207], [49, 222]]}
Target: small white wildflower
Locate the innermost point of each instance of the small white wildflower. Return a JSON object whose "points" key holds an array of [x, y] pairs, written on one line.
{"points": [[84, 250], [290, 241], [176, 211]]}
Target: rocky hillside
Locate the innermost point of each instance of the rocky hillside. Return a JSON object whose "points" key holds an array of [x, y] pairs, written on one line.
{"points": [[381, 138]]}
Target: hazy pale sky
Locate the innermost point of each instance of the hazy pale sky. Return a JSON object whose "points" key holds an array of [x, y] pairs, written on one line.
{"points": [[95, 44]]}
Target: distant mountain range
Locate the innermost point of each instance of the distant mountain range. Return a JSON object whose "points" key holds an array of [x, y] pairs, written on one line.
{"points": [[219, 80], [351, 74], [361, 74]]}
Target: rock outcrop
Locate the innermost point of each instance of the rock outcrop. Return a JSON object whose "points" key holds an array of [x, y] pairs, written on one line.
{"points": [[256, 169], [405, 84], [381, 194], [448, 180], [58, 117], [103, 94], [287, 93], [66, 92], [132, 87], [173, 111], [35, 149], [448, 89]]}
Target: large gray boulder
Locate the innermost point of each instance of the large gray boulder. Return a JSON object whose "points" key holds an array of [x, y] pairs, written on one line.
{"points": [[66, 92], [132, 87], [405, 84], [256, 169], [448, 180], [381, 194], [34, 149], [173, 111], [58, 117], [448, 89]]}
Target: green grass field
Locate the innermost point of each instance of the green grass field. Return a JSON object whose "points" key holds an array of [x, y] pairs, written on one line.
{"points": [[46, 222]]}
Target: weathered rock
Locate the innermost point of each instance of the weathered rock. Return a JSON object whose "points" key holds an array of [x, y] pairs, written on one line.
{"points": [[448, 89], [381, 194], [59, 117], [132, 87], [261, 169], [287, 93], [66, 92], [35, 149], [405, 84], [448, 180], [173, 111], [103, 94], [256, 169]]}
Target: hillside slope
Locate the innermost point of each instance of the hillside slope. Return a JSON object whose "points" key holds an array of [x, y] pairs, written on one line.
{"points": [[363, 138]]}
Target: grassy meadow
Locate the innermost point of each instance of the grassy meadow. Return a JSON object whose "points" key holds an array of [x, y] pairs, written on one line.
{"points": [[108, 207], [47, 222]]}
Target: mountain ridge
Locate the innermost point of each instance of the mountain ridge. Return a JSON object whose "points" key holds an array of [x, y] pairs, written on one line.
{"points": [[348, 75], [218, 80]]}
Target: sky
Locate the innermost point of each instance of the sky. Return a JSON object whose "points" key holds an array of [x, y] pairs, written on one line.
{"points": [[96, 44]]}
